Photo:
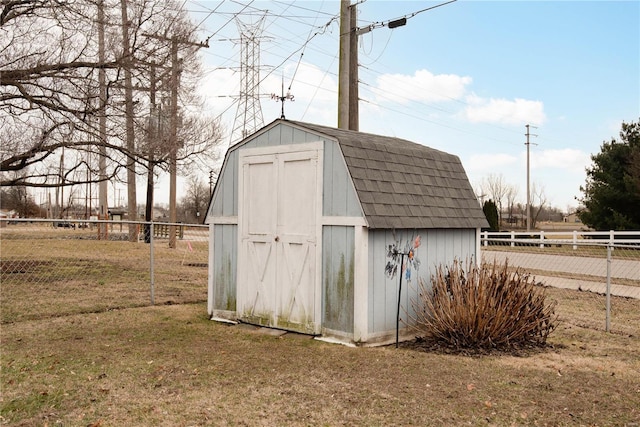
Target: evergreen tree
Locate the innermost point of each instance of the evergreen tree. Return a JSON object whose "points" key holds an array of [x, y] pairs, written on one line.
{"points": [[491, 213], [612, 190]]}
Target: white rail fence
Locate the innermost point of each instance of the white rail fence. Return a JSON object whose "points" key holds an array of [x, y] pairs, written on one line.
{"points": [[574, 238]]}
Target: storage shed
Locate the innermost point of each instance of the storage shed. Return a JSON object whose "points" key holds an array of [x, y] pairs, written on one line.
{"points": [[302, 218]]}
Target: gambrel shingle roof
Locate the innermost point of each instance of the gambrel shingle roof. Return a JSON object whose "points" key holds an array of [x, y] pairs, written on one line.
{"points": [[402, 184]]}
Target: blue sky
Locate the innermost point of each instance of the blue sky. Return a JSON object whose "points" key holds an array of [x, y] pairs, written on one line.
{"points": [[464, 78]]}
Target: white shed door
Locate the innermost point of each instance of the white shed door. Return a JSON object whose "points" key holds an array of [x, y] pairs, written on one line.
{"points": [[278, 217]]}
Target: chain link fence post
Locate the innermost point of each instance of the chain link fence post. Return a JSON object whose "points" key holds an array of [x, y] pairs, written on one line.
{"points": [[151, 276]]}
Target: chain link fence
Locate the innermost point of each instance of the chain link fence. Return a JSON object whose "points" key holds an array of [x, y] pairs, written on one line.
{"points": [[594, 279], [55, 268]]}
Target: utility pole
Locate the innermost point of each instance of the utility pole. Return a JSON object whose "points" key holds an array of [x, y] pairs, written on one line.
{"points": [[348, 97], [354, 114], [132, 202], [173, 141], [173, 126], [60, 188], [528, 185], [344, 67], [102, 129], [152, 136]]}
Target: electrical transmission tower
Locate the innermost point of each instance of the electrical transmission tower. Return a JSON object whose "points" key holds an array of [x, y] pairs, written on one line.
{"points": [[249, 113]]}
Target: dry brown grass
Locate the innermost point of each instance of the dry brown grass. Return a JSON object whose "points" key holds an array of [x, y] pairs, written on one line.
{"points": [[59, 273], [168, 365], [171, 366]]}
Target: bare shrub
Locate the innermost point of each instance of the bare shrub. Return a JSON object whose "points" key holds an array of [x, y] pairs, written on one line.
{"points": [[487, 307]]}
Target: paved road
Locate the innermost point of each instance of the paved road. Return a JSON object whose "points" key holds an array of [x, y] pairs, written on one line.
{"points": [[586, 285], [620, 268], [596, 267]]}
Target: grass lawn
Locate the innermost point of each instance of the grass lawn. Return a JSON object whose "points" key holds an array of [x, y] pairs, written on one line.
{"points": [[171, 366]]}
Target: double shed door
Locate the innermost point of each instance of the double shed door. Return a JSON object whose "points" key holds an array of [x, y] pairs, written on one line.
{"points": [[279, 214]]}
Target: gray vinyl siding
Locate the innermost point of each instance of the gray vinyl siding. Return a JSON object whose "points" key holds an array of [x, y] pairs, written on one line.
{"points": [[337, 278], [281, 135], [447, 245], [225, 255], [225, 195], [339, 196], [438, 246]]}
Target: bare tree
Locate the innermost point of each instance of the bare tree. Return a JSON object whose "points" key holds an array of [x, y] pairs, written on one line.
{"points": [[480, 192], [18, 199], [50, 67], [496, 187], [195, 201], [538, 203], [512, 195]]}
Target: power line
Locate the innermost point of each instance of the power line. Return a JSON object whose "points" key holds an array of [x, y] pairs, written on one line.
{"points": [[397, 22], [318, 87], [309, 38], [230, 20], [456, 100], [302, 49], [378, 91], [305, 8], [211, 12]]}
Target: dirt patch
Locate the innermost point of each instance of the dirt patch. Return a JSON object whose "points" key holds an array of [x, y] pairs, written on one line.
{"points": [[433, 346], [21, 266]]}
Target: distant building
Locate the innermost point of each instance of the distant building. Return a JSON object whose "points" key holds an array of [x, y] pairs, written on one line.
{"points": [[572, 218]]}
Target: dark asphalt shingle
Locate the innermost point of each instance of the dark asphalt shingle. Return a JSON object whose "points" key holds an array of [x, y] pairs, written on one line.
{"points": [[402, 184]]}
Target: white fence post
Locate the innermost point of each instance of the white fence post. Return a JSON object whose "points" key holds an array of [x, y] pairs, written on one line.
{"points": [[513, 238], [608, 294], [612, 237], [486, 238], [575, 240], [542, 239]]}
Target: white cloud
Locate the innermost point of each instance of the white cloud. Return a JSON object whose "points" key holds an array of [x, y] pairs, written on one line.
{"points": [[314, 91], [489, 162], [568, 159], [310, 83], [218, 87], [315, 94], [422, 86], [503, 111]]}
